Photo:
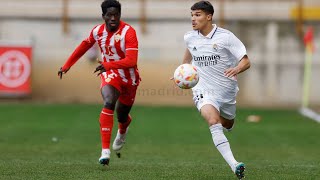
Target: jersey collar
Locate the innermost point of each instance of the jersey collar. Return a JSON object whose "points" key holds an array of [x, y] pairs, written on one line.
{"points": [[210, 35]]}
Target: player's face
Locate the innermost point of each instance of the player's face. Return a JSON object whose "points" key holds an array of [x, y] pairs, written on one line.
{"points": [[200, 19], [112, 18]]}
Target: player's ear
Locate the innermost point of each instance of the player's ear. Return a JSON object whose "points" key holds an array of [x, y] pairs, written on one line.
{"points": [[209, 17]]}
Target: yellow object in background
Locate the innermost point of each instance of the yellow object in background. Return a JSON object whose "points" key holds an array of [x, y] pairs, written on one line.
{"points": [[308, 13]]}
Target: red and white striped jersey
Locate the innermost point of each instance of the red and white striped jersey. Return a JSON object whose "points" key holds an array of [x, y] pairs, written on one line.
{"points": [[119, 50], [114, 45]]}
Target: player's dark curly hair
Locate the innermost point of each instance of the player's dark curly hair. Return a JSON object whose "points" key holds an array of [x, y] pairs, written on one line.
{"points": [[110, 3], [205, 6]]}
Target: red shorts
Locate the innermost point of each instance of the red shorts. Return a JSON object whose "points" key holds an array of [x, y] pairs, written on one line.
{"points": [[127, 89]]}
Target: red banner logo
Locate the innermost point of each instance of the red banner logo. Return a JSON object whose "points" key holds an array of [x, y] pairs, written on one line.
{"points": [[15, 70]]}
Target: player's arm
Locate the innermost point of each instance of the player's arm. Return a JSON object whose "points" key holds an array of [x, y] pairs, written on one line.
{"points": [[131, 58], [129, 61], [243, 65], [237, 48], [82, 48], [187, 57]]}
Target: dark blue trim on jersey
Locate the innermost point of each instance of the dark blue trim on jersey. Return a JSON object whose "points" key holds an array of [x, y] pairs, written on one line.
{"points": [[221, 143], [214, 32]]}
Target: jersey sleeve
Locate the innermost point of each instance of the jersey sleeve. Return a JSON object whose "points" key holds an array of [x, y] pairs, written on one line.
{"points": [[82, 48], [131, 40], [131, 47], [236, 47]]}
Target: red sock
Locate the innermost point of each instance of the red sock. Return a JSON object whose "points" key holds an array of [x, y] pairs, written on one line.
{"points": [[123, 126], [106, 124]]}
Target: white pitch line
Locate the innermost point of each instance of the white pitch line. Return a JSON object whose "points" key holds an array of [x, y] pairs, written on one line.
{"points": [[310, 114]]}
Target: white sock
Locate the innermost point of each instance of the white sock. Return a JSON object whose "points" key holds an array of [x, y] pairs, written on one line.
{"points": [[104, 152], [222, 144]]}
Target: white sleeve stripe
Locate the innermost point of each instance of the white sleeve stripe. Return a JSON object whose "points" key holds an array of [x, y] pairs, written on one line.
{"points": [[123, 34], [132, 49], [106, 113], [95, 32]]}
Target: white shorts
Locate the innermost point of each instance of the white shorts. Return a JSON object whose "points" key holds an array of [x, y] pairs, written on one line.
{"points": [[226, 110]]}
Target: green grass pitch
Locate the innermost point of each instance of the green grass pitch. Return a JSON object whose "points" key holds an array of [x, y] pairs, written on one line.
{"points": [[40, 141]]}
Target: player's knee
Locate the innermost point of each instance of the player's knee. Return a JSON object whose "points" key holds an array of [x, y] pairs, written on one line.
{"points": [[213, 121], [109, 104], [109, 101]]}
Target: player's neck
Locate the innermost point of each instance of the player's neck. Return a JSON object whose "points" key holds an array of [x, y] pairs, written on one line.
{"points": [[113, 30], [206, 30]]}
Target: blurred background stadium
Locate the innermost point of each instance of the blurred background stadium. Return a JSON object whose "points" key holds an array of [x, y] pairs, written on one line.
{"points": [[271, 30], [56, 121]]}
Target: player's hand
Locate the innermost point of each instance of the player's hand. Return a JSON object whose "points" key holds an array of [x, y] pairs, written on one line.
{"points": [[62, 71], [231, 72], [100, 69]]}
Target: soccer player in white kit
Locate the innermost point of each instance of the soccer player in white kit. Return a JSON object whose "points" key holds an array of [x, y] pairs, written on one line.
{"points": [[218, 56]]}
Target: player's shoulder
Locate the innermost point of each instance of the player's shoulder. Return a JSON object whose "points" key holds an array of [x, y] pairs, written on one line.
{"points": [[223, 32], [190, 34], [97, 27], [124, 24]]}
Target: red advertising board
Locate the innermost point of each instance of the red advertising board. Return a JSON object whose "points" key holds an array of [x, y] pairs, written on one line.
{"points": [[15, 70]]}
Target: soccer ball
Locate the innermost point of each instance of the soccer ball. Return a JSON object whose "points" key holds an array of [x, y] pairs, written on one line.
{"points": [[186, 76]]}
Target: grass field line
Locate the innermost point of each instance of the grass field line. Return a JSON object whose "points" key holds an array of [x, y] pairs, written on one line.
{"points": [[310, 114]]}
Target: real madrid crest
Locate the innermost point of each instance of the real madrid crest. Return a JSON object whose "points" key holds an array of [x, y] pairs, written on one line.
{"points": [[117, 37], [215, 46]]}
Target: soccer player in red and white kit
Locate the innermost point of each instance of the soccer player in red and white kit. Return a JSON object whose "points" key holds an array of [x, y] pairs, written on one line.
{"points": [[118, 72]]}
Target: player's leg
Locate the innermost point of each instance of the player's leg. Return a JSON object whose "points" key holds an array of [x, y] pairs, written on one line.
{"points": [[123, 108], [212, 116], [227, 125], [124, 120], [227, 116], [110, 96]]}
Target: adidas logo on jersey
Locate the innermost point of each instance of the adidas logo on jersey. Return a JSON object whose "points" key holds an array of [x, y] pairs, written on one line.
{"points": [[194, 48]]}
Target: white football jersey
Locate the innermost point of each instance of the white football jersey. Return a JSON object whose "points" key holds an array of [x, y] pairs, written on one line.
{"points": [[212, 55]]}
